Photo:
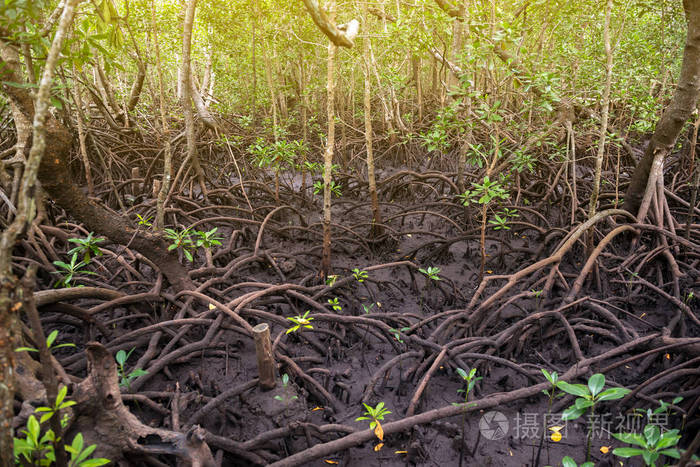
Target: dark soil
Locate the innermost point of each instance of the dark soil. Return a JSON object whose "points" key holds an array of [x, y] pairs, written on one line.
{"points": [[344, 360]]}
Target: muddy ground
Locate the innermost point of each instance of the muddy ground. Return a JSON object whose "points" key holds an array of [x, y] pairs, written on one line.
{"points": [[404, 348]]}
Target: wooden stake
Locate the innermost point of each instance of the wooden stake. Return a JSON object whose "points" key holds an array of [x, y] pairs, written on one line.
{"points": [[263, 350]]}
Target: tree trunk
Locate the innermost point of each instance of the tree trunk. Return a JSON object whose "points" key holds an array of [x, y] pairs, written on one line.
{"points": [[137, 87], [671, 123], [10, 299], [186, 89], [328, 158], [167, 153], [604, 117], [271, 88], [376, 214]]}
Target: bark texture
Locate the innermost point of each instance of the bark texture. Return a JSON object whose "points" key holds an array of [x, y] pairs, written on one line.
{"points": [[105, 420], [678, 112]]}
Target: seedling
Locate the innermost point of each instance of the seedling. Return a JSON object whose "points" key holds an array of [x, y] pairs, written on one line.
{"points": [[663, 407], [59, 404], [360, 275], [551, 393], [303, 321], [181, 239], [471, 379], [651, 445], [287, 396], [335, 188], [335, 305], [397, 333], [70, 270], [34, 446], [330, 280], [431, 273], [124, 377], [483, 194], [36, 450], [49, 344], [208, 239], [144, 220], [86, 246], [587, 398], [311, 167], [79, 454], [367, 309], [375, 415], [500, 221]]}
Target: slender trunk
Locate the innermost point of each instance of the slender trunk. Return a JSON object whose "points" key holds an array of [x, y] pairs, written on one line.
{"points": [[255, 69], [388, 117], [671, 122], [10, 297], [452, 79], [137, 87], [328, 156], [206, 81], [106, 88], [415, 64], [696, 184], [305, 107], [167, 154], [271, 88], [202, 111], [605, 113], [376, 214], [77, 97], [186, 99]]}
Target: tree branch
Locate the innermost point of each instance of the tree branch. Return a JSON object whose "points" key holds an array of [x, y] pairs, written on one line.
{"points": [[343, 35]]}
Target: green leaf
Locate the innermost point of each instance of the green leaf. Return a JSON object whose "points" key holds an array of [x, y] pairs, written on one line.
{"points": [[33, 427], [61, 395], [674, 453], [51, 338], [670, 438], [652, 434], [596, 383], [582, 404], [120, 357], [575, 389], [572, 413], [612, 394], [650, 457], [631, 438], [627, 452], [95, 462], [67, 344], [568, 462]]}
